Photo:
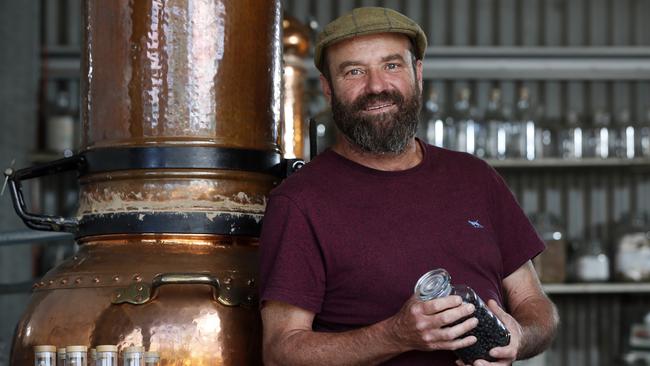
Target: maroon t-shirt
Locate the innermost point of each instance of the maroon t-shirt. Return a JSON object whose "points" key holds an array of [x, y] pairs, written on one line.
{"points": [[348, 242]]}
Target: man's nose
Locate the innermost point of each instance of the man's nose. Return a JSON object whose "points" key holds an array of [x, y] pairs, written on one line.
{"points": [[376, 81]]}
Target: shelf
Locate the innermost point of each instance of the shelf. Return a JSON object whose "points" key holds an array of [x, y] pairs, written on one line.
{"points": [[559, 163], [533, 63], [596, 288]]}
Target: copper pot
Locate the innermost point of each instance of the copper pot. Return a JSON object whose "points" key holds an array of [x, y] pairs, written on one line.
{"points": [[181, 105]]}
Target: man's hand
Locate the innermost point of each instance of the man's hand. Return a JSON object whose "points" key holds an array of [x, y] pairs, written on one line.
{"points": [[427, 326]]}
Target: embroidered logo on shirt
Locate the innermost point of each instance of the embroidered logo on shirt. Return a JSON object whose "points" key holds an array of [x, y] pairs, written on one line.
{"points": [[475, 224]]}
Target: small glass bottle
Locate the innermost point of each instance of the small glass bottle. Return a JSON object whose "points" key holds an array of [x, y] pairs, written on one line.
{"points": [[134, 356], [436, 131], [466, 127], [106, 355], [623, 140], [496, 127], [643, 136], [76, 356], [151, 358], [60, 356], [44, 355], [490, 331]]}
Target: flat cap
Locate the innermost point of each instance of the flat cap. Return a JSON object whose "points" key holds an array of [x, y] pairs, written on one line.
{"points": [[369, 20]]}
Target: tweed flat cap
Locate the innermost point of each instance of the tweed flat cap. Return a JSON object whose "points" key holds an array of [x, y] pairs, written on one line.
{"points": [[369, 20]]}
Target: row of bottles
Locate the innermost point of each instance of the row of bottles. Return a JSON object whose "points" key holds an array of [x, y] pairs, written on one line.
{"points": [[103, 355], [524, 134]]}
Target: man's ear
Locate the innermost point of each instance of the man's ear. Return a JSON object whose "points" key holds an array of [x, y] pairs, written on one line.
{"points": [[326, 87], [418, 71]]}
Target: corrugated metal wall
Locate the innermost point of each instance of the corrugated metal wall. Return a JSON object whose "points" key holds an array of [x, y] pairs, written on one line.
{"points": [[589, 200]]}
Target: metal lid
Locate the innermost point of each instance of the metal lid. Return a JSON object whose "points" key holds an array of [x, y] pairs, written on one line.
{"points": [[106, 348], [69, 349], [45, 348], [433, 284], [134, 349]]}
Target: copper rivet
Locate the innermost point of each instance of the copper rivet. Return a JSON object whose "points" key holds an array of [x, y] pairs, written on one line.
{"points": [[78, 280], [64, 281], [137, 278], [140, 288], [75, 257], [251, 283], [41, 283], [118, 295], [50, 282], [116, 278], [35, 285], [96, 280], [227, 281]]}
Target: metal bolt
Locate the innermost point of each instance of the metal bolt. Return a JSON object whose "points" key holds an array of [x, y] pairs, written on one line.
{"points": [[77, 280], [50, 283], [116, 278], [96, 280], [137, 278], [64, 281], [227, 281], [140, 288], [251, 283]]}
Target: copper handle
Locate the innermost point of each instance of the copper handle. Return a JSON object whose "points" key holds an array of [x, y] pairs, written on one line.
{"points": [[142, 293]]}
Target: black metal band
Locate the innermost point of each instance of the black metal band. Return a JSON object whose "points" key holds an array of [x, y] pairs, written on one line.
{"points": [[169, 222], [180, 157]]}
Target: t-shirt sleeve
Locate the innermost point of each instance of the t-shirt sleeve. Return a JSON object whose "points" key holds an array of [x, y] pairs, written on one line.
{"points": [[291, 265], [516, 236]]}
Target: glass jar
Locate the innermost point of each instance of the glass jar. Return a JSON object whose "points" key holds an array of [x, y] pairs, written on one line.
{"points": [[633, 249], [151, 358], [592, 263], [570, 143], [106, 355], [60, 356], [552, 262], [44, 355], [76, 356], [490, 331], [496, 127], [134, 356]]}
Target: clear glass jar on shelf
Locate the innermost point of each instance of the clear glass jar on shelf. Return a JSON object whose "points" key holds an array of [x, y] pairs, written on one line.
{"points": [[551, 264], [133, 356], [643, 136], [76, 356], [438, 131], [467, 128], [633, 248], [520, 131], [545, 136], [623, 142], [598, 136], [490, 331], [495, 122], [44, 355], [106, 355], [571, 137], [592, 262]]}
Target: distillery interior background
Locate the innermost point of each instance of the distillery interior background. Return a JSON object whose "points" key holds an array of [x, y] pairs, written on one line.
{"points": [[558, 68]]}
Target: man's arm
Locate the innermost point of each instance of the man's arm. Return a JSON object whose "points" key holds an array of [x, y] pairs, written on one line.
{"points": [[290, 340], [532, 320]]}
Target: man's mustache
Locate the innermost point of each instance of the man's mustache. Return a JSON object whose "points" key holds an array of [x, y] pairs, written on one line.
{"points": [[367, 100]]}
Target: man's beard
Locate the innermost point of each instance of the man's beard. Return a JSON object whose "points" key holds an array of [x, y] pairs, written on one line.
{"points": [[385, 133]]}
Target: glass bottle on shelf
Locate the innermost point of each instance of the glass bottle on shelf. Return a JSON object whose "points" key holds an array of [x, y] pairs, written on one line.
{"points": [[134, 356], [545, 136], [106, 355], [643, 136], [467, 129], [151, 358], [437, 133], [622, 141], [520, 139], [571, 137], [633, 248], [496, 127], [598, 136], [60, 356]]}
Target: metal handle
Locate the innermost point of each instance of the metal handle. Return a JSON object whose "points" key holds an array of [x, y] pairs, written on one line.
{"points": [[36, 221], [142, 293]]}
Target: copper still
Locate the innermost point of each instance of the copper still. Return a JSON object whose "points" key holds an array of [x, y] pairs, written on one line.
{"points": [[181, 109]]}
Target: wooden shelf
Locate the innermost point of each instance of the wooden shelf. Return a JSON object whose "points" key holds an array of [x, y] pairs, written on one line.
{"points": [[597, 288]]}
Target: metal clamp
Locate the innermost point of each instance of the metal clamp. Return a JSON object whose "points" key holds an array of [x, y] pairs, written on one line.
{"points": [[36, 221], [142, 293]]}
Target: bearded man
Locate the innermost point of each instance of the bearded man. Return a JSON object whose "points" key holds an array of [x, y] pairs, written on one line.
{"points": [[345, 238]]}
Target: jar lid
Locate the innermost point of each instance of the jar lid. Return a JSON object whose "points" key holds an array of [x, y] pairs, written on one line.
{"points": [[134, 349], [106, 348], [45, 348], [76, 349], [433, 284], [61, 351], [151, 355]]}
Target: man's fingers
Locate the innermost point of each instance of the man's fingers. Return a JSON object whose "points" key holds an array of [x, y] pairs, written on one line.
{"points": [[437, 305]]}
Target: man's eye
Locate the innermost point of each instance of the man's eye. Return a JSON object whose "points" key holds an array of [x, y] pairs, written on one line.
{"points": [[353, 72], [392, 66]]}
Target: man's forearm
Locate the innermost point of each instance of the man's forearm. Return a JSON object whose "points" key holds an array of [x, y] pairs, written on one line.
{"points": [[539, 320], [365, 346]]}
